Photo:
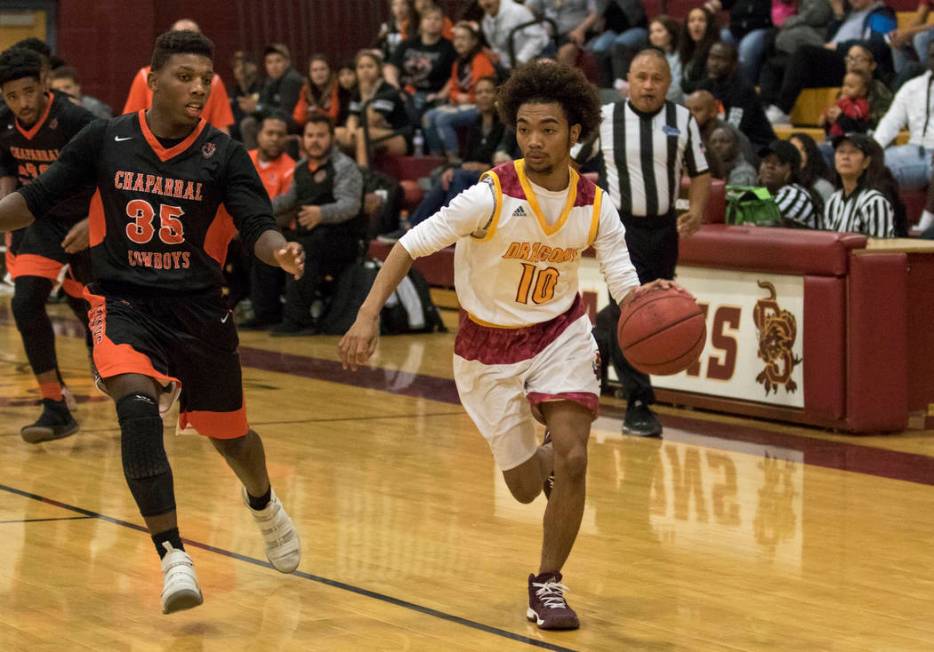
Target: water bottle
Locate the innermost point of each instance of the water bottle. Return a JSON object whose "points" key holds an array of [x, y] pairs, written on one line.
{"points": [[418, 143]]}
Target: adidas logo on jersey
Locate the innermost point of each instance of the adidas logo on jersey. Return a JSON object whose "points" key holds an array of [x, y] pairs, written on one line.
{"points": [[519, 212]]}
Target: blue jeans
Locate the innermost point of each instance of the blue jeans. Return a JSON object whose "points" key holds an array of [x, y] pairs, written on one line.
{"points": [[921, 42], [751, 51], [633, 38], [441, 125], [437, 198], [911, 165]]}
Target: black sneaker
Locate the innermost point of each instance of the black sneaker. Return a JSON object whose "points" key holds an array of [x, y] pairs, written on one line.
{"points": [[550, 480], [55, 422], [641, 421], [548, 607]]}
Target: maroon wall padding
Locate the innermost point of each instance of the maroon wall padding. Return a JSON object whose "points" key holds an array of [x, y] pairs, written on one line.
{"points": [[109, 40], [824, 347], [920, 331], [914, 203], [877, 352], [784, 251], [716, 203], [408, 167]]}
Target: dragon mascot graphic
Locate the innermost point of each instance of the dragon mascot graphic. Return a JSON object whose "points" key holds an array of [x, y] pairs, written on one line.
{"points": [[777, 333]]}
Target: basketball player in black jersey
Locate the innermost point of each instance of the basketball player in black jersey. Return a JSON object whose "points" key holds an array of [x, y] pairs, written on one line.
{"points": [[33, 130], [170, 193]]}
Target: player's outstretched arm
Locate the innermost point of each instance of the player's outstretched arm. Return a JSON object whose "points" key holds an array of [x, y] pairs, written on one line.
{"points": [[14, 212], [359, 342], [275, 250]]}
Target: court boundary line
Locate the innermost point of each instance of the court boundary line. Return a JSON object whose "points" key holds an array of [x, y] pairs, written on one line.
{"points": [[318, 579], [47, 520]]}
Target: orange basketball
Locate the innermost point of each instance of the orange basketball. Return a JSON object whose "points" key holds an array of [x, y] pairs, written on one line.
{"points": [[662, 332]]}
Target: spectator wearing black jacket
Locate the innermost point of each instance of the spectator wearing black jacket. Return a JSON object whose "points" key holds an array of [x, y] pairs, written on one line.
{"points": [[749, 30], [280, 91], [741, 105], [698, 34]]}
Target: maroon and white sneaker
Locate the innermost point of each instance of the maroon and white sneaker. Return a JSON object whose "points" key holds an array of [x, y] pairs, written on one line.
{"points": [[547, 605], [550, 480]]}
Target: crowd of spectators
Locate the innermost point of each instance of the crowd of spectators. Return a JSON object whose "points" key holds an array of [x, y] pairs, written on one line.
{"points": [[427, 85]]}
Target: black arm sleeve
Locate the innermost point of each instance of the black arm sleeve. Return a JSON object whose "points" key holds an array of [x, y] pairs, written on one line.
{"points": [[75, 169], [245, 198]]}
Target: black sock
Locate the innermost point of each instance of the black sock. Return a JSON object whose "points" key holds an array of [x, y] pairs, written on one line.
{"points": [[172, 536], [259, 502]]}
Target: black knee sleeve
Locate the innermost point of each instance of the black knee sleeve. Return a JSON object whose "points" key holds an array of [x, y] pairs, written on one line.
{"points": [[33, 322], [145, 464]]}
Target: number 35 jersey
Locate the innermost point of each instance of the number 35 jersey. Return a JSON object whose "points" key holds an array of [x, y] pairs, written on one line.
{"points": [[513, 267], [164, 211]]}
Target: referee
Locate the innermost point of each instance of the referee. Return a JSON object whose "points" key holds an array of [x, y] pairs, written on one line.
{"points": [[646, 142]]}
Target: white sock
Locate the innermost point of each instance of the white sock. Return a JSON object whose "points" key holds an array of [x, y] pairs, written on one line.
{"points": [[927, 219]]}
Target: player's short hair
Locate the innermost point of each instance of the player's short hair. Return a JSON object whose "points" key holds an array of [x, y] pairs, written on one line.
{"points": [[37, 45], [321, 119], [19, 63], [546, 82], [180, 42]]}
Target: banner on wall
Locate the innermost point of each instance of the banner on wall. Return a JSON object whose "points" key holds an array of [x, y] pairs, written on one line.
{"points": [[754, 347]]}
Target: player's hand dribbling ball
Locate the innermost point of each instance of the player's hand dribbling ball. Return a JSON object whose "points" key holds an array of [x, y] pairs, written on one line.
{"points": [[662, 330]]}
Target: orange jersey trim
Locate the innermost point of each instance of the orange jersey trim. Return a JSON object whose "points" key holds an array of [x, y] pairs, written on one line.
{"points": [[97, 223], [35, 265], [160, 151], [33, 130], [114, 359], [595, 219], [219, 235]]}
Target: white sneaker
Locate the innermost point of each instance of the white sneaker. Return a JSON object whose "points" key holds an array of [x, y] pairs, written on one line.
{"points": [[283, 545], [776, 116], [180, 588]]}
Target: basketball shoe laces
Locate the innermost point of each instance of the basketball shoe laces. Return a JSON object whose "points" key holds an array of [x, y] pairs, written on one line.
{"points": [[551, 594]]}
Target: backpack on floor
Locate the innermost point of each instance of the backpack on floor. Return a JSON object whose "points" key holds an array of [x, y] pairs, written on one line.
{"points": [[753, 205], [408, 310]]}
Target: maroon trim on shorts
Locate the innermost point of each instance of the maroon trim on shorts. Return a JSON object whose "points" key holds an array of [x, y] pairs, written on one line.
{"points": [[585, 399], [509, 345]]}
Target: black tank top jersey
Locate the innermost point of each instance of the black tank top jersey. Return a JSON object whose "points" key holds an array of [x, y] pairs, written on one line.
{"points": [[27, 153], [164, 212]]}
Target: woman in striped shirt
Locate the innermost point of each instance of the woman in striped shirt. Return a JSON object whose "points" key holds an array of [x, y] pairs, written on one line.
{"points": [[778, 172], [858, 206]]}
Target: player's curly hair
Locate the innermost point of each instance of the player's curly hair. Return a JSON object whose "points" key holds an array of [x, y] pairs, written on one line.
{"points": [[180, 42], [19, 63], [544, 82]]}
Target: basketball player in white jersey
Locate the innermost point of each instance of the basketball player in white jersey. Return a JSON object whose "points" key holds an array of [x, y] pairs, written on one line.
{"points": [[524, 349]]}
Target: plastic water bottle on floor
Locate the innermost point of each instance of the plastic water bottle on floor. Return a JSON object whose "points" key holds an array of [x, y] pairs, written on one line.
{"points": [[418, 143]]}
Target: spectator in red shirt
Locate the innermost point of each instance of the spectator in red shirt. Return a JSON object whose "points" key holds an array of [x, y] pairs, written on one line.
{"points": [[851, 112]]}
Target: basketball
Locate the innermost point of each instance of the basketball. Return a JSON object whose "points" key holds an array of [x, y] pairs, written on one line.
{"points": [[662, 332]]}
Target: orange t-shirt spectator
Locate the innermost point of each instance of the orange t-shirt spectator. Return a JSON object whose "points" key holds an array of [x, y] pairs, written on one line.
{"points": [[275, 168]]}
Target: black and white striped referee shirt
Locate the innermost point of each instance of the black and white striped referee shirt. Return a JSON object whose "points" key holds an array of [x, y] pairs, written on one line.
{"points": [[865, 211], [644, 155], [796, 205]]}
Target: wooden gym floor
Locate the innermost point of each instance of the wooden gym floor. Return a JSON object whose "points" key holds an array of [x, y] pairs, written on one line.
{"points": [[727, 534]]}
